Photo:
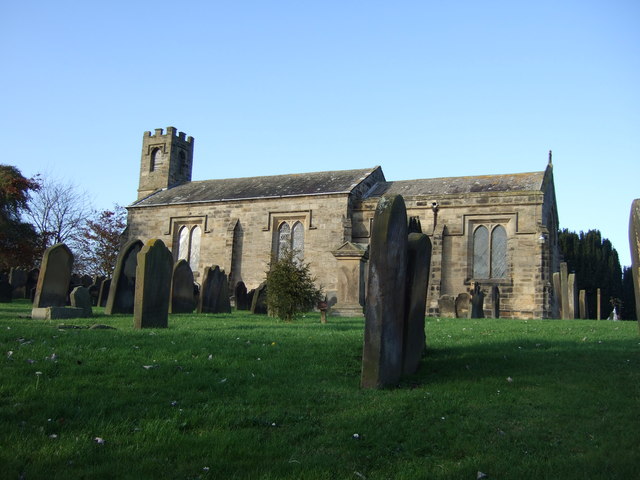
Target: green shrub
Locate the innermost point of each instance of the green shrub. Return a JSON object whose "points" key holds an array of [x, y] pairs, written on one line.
{"points": [[291, 289]]}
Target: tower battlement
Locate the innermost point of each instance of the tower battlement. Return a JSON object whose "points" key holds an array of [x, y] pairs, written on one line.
{"points": [[171, 131]]}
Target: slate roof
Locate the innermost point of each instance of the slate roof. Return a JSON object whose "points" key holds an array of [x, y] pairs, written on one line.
{"points": [[518, 182], [274, 186]]}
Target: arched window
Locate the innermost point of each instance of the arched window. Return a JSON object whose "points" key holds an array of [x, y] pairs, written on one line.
{"points": [[481, 252], [284, 239], [156, 159], [297, 240], [499, 252], [183, 243], [194, 248]]}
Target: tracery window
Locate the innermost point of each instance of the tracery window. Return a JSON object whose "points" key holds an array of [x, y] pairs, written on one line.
{"points": [[291, 238], [189, 245], [489, 252]]}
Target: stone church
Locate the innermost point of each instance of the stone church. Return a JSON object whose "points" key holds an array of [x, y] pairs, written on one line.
{"points": [[493, 230]]}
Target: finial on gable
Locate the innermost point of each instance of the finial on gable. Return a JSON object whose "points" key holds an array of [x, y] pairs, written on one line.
{"points": [[550, 158]]}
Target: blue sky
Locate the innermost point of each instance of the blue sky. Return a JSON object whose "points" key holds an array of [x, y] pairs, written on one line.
{"points": [[423, 88]]}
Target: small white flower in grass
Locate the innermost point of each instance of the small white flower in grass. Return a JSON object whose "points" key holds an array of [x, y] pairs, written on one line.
{"points": [[356, 436], [174, 403], [205, 469], [259, 358], [210, 357], [509, 379], [9, 353], [99, 440], [442, 418], [273, 424], [223, 380], [53, 436]]}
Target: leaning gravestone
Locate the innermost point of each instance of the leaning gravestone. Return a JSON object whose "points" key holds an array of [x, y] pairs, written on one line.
{"points": [[81, 298], [447, 306], [477, 302], [634, 243], [104, 292], [259, 300], [182, 295], [385, 302], [463, 305], [123, 284], [419, 262], [153, 286]]}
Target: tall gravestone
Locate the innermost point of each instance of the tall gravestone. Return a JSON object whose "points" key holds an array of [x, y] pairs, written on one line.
{"points": [[123, 284], [259, 300], [634, 243], [385, 302], [419, 262], [557, 294], [584, 311], [6, 291], [153, 285], [564, 289], [182, 294], [477, 302], [571, 289], [495, 302], [242, 297], [214, 295], [104, 292], [55, 274]]}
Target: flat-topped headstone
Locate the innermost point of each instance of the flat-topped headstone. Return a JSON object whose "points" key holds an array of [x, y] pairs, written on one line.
{"points": [[81, 298], [634, 244], [418, 263], [55, 274], [386, 298], [182, 295], [463, 305], [123, 283], [153, 285], [447, 306]]}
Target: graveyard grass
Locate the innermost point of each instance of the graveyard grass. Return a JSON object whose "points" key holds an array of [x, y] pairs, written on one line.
{"points": [[236, 396]]}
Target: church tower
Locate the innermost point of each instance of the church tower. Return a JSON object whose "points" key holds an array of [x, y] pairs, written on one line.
{"points": [[167, 160]]}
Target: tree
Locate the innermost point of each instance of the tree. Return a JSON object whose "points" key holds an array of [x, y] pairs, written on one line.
{"points": [[18, 240], [596, 265], [58, 211], [291, 289], [102, 235]]}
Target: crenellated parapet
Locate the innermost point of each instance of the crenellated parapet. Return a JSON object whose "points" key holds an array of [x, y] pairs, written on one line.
{"points": [[171, 131]]}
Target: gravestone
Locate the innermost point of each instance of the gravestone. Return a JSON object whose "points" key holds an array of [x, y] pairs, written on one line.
{"points": [[94, 288], [564, 289], [634, 244], [123, 283], [584, 311], [86, 281], [477, 302], [18, 280], [447, 306], [259, 300], [55, 274], [6, 291], [250, 295], [463, 305], [32, 281], [385, 302], [214, 295], [81, 298], [104, 292], [182, 297], [557, 294], [419, 261], [242, 297], [153, 285], [571, 289], [495, 302]]}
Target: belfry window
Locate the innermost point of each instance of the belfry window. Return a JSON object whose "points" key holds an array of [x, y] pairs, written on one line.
{"points": [[489, 252], [156, 159]]}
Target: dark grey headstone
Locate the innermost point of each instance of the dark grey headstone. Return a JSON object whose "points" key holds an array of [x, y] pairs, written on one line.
{"points": [[463, 305], [123, 284], [153, 285], [477, 302], [583, 307], [214, 294], [259, 300], [385, 302], [18, 280], [242, 298], [81, 298], [86, 281], [557, 294], [182, 294], [447, 306], [634, 243], [55, 273], [6, 291], [495, 301], [32, 281], [419, 262], [104, 292]]}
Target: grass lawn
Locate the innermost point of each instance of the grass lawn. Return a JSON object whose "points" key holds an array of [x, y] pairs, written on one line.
{"points": [[249, 397]]}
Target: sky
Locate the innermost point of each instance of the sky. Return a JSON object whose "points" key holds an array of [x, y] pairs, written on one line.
{"points": [[424, 89]]}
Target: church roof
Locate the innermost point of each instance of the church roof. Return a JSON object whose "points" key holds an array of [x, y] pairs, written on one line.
{"points": [[274, 186], [518, 182]]}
